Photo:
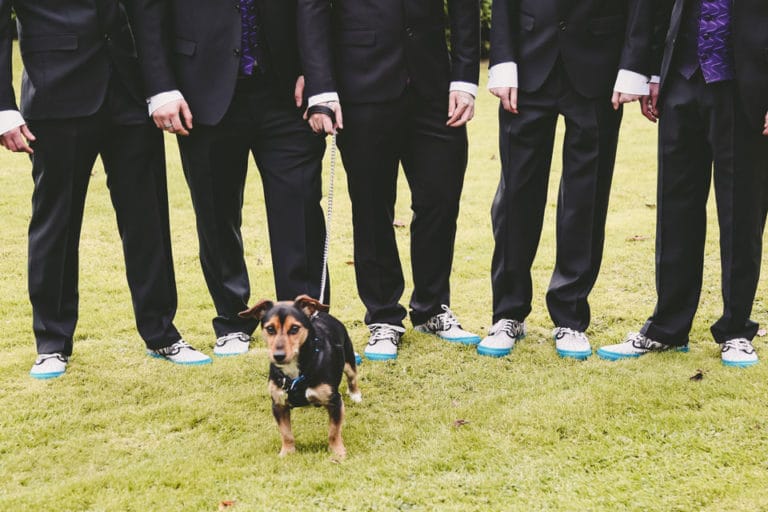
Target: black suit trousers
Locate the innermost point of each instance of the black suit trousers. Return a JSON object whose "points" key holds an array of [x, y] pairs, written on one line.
{"points": [[526, 142], [376, 139], [701, 125], [288, 156], [134, 161]]}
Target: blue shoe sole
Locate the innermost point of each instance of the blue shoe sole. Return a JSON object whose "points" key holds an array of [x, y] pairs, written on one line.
{"points": [[613, 356], [358, 359], [474, 340], [742, 364], [193, 363], [493, 352], [230, 355], [581, 356], [380, 357], [46, 376]]}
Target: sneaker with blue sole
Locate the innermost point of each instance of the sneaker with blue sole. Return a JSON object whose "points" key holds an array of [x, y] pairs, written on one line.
{"points": [[180, 353], [634, 346], [49, 366], [738, 352], [570, 343], [383, 342], [446, 326], [501, 338]]}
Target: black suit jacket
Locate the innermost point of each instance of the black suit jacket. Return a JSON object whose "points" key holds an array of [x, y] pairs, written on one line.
{"points": [[749, 33], [70, 50], [368, 50], [595, 38], [194, 46]]}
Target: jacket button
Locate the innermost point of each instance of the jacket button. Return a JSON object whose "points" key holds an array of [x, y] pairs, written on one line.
{"points": [[236, 52], [563, 25], [409, 32]]}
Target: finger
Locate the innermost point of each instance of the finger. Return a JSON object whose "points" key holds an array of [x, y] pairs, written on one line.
{"points": [[465, 117], [159, 121], [615, 100], [505, 103], [452, 104], [27, 134], [316, 122], [457, 113], [19, 144], [187, 115], [513, 101], [328, 125], [176, 126], [339, 118]]}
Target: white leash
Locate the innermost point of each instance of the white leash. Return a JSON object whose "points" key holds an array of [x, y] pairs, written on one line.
{"points": [[329, 211]]}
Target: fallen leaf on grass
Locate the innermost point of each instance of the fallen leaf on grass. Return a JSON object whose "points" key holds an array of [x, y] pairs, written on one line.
{"points": [[650, 205], [398, 223], [350, 262], [227, 504], [460, 423], [637, 238], [761, 332], [698, 375]]}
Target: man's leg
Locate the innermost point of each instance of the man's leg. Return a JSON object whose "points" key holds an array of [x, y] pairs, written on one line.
{"points": [[134, 161], [215, 160], [65, 151], [289, 157], [589, 153], [685, 163]]}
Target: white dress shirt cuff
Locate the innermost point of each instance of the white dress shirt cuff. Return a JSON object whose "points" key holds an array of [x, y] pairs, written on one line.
{"points": [[629, 82], [323, 97], [467, 87], [655, 79], [10, 119], [163, 98], [503, 75]]}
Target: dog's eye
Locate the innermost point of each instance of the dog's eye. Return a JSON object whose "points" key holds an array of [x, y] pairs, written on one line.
{"points": [[270, 329], [294, 329]]}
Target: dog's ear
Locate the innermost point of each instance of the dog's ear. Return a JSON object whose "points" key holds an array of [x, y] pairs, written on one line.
{"points": [[309, 305], [257, 310]]}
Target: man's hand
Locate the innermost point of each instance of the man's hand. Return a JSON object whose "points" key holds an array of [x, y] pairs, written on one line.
{"points": [[174, 117], [298, 91], [649, 104], [461, 108], [18, 139], [765, 126], [321, 123], [620, 98], [508, 97]]}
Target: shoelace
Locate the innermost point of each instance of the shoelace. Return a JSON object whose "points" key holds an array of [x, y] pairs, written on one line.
{"points": [[444, 321], [513, 328], [175, 348], [740, 344], [640, 341], [240, 336], [561, 333], [381, 332]]}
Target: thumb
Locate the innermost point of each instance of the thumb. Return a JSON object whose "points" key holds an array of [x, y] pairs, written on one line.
{"points": [[187, 114], [26, 133]]}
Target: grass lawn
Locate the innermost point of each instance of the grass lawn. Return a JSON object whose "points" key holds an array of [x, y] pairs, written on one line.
{"points": [[121, 431]]}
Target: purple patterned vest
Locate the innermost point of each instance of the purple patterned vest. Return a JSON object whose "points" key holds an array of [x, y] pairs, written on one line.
{"points": [[715, 50], [249, 41]]}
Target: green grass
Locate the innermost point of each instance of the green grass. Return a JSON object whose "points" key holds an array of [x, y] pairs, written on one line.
{"points": [[121, 431]]}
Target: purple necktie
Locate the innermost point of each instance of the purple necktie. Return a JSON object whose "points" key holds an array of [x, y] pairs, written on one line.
{"points": [[249, 41]]}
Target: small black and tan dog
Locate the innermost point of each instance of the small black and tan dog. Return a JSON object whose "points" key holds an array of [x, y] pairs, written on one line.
{"points": [[309, 350]]}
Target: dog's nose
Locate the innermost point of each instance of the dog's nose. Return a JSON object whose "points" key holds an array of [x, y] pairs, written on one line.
{"points": [[279, 356]]}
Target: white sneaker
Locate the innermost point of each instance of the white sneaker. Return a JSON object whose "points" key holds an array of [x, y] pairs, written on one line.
{"points": [[738, 352], [232, 344], [571, 343], [635, 345], [180, 353], [49, 366], [382, 345], [446, 326], [501, 338]]}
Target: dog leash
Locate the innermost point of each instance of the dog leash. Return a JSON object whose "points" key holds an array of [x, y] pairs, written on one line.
{"points": [[328, 215]]}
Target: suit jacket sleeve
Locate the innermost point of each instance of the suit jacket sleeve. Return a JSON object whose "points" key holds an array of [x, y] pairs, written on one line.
{"points": [[503, 31], [661, 15], [465, 40], [636, 55], [7, 95], [152, 29], [315, 45]]}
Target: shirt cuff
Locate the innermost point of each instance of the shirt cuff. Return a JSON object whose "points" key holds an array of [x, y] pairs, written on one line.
{"points": [[323, 97], [655, 79], [503, 75], [10, 119], [629, 82], [163, 98], [467, 87]]}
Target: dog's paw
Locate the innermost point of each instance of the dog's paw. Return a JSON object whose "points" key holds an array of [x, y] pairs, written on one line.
{"points": [[356, 397]]}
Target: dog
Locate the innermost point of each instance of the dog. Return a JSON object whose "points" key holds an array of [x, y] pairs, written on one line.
{"points": [[309, 350]]}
